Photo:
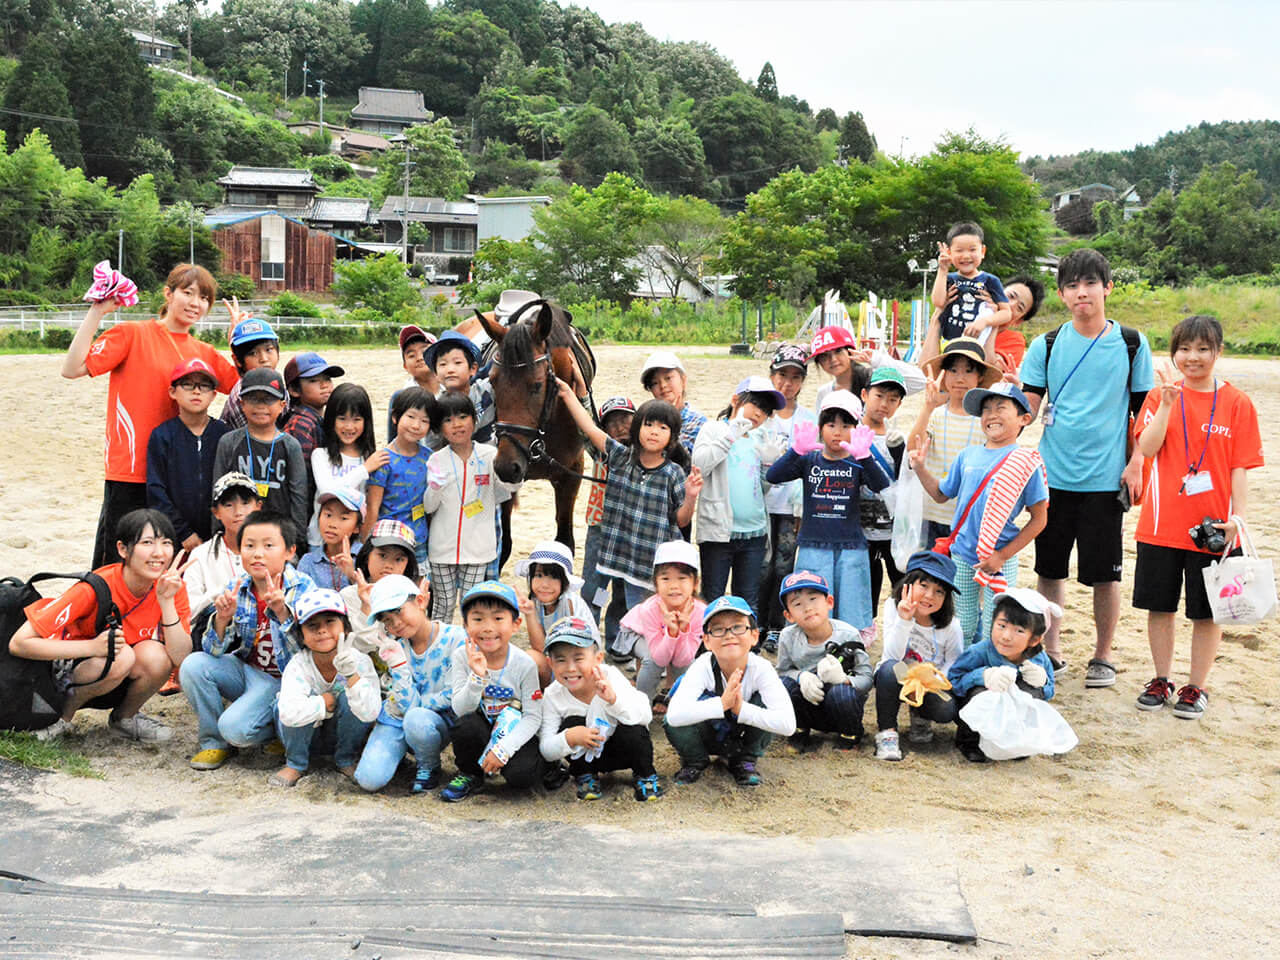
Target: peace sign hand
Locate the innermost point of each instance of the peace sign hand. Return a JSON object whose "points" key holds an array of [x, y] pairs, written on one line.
{"points": [[604, 689], [237, 315], [343, 561], [274, 597], [171, 581], [934, 395], [363, 589], [1169, 388], [944, 258], [475, 659], [918, 452], [224, 608]]}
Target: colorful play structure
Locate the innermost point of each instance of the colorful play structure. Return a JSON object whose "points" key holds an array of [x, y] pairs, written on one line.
{"points": [[877, 324]]}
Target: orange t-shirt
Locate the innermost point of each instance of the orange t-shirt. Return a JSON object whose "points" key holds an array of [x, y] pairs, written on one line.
{"points": [[1168, 511], [1011, 347], [73, 615], [140, 357]]}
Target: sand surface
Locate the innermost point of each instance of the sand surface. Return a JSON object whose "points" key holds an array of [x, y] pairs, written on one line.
{"points": [[1154, 835]]}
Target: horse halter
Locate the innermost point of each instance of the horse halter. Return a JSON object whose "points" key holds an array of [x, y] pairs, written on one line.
{"points": [[536, 451]]}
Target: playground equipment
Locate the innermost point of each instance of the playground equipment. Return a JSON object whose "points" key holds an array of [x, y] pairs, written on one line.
{"points": [[876, 324]]}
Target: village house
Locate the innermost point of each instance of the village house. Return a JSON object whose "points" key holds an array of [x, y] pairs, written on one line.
{"points": [[387, 112], [448, 227]]}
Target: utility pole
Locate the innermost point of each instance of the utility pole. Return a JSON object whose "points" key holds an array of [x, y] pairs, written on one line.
{"points": [[305, 72], [404, 213], [120, 252], [191, 235], [320, 84]]}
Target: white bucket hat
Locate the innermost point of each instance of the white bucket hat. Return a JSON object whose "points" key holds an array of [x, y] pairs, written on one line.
{"points": [[553, 552]]}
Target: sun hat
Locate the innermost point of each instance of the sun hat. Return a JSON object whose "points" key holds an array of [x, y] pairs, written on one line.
{"points": [[390, 593], [890, 375], [393, 533], [940, 568], [509, 301], [973, 399], [614, 404], [553, 552], [575, 631], [842, 400], [964, 347], [661, 360], [759, 384], [349, 497], [1032, 602], [727, 604], [187, 367], [320, 600], [497, 591], [677, 551], [803, 580], [251, 331], [413, 333], [450, 340], [235, 480], [262, 380], [310, 365], [790, 355], [828, 339]]}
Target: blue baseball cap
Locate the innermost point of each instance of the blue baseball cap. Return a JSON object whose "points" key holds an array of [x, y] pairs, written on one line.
{"points": [[313, 602], [575, 631], [349, 497], [449, 340], [940, 568], [252, 330], [310, 365], [727, 604], [803, 580], [974, 398], [496, 590]]}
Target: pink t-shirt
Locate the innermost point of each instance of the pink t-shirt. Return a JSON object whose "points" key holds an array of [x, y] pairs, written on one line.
{"points": [[665, 649]]}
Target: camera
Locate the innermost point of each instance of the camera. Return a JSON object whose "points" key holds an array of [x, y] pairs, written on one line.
{"points": [[846, 653], [1208, 537]]}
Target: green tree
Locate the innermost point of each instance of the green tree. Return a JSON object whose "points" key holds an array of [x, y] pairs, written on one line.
{"points": [[193, 123], [440, 168], [826, 119], [596, 145], [450, 60], [521, 19], [671, 156], [679, 236], [856, 141], [767, 84], [111, 82], [39, 87], [377, 282], [503, 165], [737, 139]]}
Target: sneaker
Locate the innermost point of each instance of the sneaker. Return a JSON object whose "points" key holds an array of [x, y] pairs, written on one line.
{"points": [[744, 771], [556, 776], [691, 773], [848, 741], [212, 758], [59, 728], [771, 642], [426, 780], [887, 745], [274, 749], [801, 741], [973, 753], [589, 787], [1191, 704], [1099, 673], [1158, 694], [648, 788], [461, 787], [141, 728], [921, 729], [1059, 665]]}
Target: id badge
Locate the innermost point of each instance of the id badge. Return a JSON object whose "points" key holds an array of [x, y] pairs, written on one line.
{"points": [[1197, 483], [1048, 414], [419, 512], [473, 508], [263, 490]]}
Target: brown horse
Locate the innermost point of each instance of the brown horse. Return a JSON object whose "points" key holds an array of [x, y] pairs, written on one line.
{"points": [[535, 436]]}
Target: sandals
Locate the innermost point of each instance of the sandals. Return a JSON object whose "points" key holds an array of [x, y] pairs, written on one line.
{"points": [[275, 780], [1099, 673], [660, 704]]}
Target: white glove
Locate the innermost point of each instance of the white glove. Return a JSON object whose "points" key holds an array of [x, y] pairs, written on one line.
{"points": [[999, 679], [830, 671], [391, 653], [344, 661], [436, 477], [1033, 674], [739, 426], [811, 688]]}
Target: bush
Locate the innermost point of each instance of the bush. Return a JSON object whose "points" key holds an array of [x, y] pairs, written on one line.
{"points": [[235, 285], [287, 304], [378, 282], [672, 321]]}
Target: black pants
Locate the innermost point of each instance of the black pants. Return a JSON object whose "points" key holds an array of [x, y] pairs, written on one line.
{"points": [[118, 498], [628, 748], [888, 691], [880, 556], [471, 737], [966, 737]]}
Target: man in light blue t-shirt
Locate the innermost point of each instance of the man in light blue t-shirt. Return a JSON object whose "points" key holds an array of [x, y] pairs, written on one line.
{"points": [[1088, 387]]}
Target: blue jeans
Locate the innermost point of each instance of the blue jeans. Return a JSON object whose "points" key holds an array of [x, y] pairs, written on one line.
{"points": [[848, 570], [249, 719], [425, 732], [744, 558], [343, 732], [593, 582]]}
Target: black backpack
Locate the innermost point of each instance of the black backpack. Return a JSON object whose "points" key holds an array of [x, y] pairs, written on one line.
{"points": [[1132, 341], [29, 695]]}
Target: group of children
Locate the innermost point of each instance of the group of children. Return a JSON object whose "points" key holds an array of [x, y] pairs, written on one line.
{"points": [[315, 605]]}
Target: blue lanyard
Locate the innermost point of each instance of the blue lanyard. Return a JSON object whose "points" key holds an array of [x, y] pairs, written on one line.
{"points": [[1064, 383], [271, 455], [1186, 442]]}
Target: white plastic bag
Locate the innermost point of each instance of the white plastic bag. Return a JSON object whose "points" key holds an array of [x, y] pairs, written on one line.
{"points": [[907, 504], [1016, 724], [1242, 590]]}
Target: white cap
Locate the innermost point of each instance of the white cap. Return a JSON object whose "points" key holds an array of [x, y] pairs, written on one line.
{"points": [[662, 360], [759, 384], [842, 400], [390, 593], [677, 551], [555, 553], [1032, 602]]}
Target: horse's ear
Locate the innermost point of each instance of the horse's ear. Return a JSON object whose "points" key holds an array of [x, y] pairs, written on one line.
{"points": [[495, 330], [542, 327]]}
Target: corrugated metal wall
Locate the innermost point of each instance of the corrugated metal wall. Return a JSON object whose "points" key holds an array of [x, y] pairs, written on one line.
{"points": [[308, 257]]}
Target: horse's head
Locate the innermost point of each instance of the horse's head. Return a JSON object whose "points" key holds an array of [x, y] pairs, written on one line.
{"points": [[524, 390]]}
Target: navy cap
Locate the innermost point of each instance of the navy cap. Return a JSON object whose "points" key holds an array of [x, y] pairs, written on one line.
{"points": [[802, 580], [310, 365], [940, 568], [262, 380], [252, 330], [973, 399], [449, 340], [496, 590], [727, 604]]}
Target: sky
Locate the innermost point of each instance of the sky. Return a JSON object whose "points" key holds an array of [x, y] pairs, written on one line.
{"points": [[1050, 77]]}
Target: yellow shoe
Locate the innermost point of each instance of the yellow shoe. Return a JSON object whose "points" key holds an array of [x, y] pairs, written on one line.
{"points": [[274, 749], [212, 758]]}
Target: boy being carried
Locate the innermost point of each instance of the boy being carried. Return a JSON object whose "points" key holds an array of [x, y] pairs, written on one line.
{"points": [[968, 315]]}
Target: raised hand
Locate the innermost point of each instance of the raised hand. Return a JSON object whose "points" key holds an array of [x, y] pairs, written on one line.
{"points": [[739, 426], [237, 316], [344, 661], [934, 395], [274, 597], [363, 589], [604, 689], [224, 608], [919, 450], [343, 561], [804, 438], [859, 443], [475, 659], [944, 258], [693, 484], [170, 581], [1167, 378]]}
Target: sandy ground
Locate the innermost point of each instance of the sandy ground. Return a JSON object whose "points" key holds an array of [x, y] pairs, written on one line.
{"points": [[1154, 834]]}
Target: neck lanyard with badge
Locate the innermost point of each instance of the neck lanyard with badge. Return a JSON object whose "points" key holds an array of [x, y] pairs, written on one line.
{"points": [[1049, 407], [476, 506], [1196, 482], [264, 486]]}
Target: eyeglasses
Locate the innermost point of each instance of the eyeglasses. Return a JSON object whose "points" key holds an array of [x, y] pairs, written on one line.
{"points": [[196, 386], [738, 629]]}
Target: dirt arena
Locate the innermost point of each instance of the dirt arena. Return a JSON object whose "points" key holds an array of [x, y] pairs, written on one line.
{"points": [[1155, 835]]}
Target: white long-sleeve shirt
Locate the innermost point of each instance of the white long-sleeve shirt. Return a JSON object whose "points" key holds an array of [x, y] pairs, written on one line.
{"points": [[938, 645], [514, 685], [211, 572], [630, 708], [777, 716], [302, 691]]}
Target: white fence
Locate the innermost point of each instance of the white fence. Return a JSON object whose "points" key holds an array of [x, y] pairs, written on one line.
{"points": [[43, 319]]}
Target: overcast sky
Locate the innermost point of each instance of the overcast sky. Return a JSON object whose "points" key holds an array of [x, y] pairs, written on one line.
{"points": [[1052, 77]]}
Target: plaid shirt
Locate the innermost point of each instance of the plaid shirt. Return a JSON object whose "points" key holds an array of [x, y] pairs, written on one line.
{"points": [[307, 427], [691, 422], [639, 513], [286, 635]]}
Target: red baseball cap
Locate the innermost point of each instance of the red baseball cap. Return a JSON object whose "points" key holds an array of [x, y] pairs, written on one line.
{"points": [[413, 332], [828, 339], [188, 367]]}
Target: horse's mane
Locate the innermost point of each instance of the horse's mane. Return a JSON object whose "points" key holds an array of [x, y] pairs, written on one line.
{"points": [[518, 344]]}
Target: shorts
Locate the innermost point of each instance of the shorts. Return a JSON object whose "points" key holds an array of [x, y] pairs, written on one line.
{"points": [[1094, 524], [63, 675], [1162, 573]]}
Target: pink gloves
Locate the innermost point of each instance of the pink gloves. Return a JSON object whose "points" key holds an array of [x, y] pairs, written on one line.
{"points": [[859, 443], [109, 284], [805, 438]]}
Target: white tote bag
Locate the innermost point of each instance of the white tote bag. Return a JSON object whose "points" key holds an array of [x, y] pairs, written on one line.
{"points": [[1242, 590], [1015, 724]]}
